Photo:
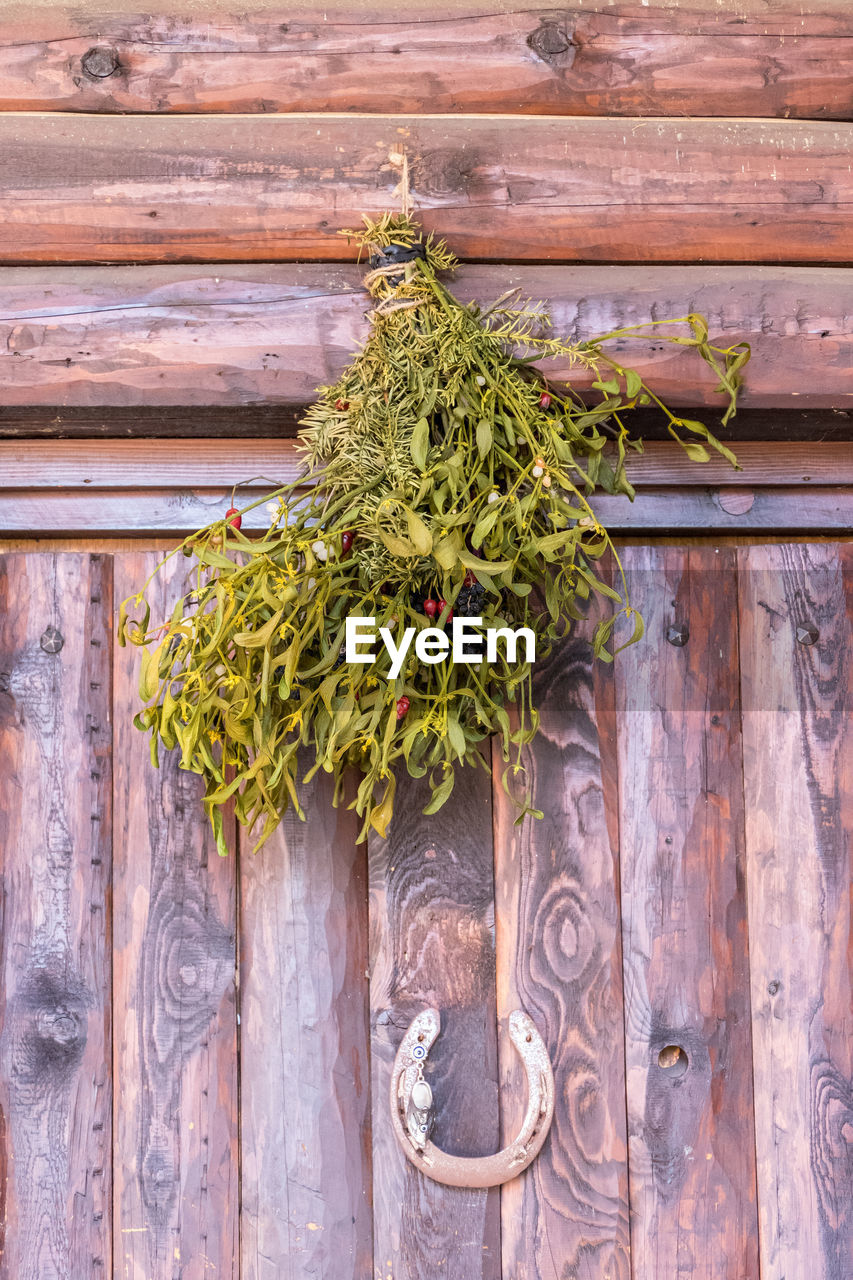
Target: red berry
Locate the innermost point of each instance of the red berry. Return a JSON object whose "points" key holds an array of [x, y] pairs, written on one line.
{"points": [[233, 517], [342, 405], [346, 541], [402, 706], [444, 610], [469, 579], [430, 608], [544, 400]]}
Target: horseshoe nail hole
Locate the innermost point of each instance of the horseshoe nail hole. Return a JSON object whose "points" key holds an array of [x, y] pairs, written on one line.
{"points": [[528, 1038], [673, 1060], [420, 1039]]}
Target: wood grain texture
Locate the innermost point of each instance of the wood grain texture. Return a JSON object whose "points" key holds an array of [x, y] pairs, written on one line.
{"points": [[176, 1116], [690, 1121], [656, 509], [593, 60], [255, 464], [305, 1050], [559, 958], [799, 793], [118, 189], [270, 335], [55, 970], [432, 943]]}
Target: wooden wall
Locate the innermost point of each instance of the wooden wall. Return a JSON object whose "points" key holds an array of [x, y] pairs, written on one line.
{"points": [[194, 1052]]}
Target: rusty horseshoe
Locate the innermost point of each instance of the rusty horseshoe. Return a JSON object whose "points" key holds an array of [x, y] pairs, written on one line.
{"points": [[413, 1113]]}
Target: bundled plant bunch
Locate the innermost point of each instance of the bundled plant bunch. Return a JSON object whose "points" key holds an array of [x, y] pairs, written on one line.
{"points": [[443, 475]]}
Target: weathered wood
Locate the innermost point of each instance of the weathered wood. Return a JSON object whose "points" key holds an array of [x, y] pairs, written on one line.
{"points": [[559, 958], [139, 189], [176, 1122], [269, 335], [432, 943], [596, 60], [305, 1049], [55, 971], [799, 789], [259, 464], [687, 1009], [682, 509], [277, 422]]}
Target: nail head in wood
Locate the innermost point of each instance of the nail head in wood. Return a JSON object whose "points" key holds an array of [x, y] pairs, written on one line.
{"points": [[678, 634], [100, 62], [807, 633], [51, 640]]}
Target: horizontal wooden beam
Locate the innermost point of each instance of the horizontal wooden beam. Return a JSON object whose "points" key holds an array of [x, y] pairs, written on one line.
{"points": [[134, 465], [596, 59], [180, 510], [268, 335], [250, 188]]}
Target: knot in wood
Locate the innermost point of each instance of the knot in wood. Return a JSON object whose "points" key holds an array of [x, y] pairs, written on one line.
{"points": [[61, 1032], [5, 681], [553, 44], [100, 62]]}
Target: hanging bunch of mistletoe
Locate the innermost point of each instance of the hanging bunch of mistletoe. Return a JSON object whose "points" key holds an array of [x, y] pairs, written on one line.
{"points": [[442, 474]]}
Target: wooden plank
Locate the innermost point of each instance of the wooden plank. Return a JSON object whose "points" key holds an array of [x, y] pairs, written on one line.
{"points": [[277, 422], [799, 787], [176, 1121], [596, 60], [432, 943], [267, 336], [687, 1007], [680, 509], [256, 465], [305, 1050], [55, 927], [234, 188], [559, 957]]}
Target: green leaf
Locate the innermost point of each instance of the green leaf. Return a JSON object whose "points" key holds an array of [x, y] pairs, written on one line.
{"points": [[484, 437], [398, 546], [633, 382], [420, 443], [441, 793], [445, 552], [696, 452], [419, 533], [257, 639]]}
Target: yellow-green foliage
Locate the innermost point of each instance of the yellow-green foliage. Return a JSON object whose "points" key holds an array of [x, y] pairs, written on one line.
{"points": [[435, 453]]}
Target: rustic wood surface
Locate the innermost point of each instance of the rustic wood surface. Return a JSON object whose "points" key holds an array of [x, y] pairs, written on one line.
{"points": [[254, 465], [656, 509], [269, 335], [55, 971], [593, 60], [799, 783], [432, 926], [174, 963], [83, 188], [559, 958], [687, 1004], [277, 422], [306, 1155]]}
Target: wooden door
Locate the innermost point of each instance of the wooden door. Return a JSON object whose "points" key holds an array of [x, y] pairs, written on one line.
{"points": [[195, 1051]]}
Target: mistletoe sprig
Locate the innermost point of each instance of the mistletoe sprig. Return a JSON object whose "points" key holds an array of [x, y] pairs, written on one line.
{"points": [[442, 473]]}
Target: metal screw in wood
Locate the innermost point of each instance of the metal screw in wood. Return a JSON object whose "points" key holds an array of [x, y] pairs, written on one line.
{"points": [[51, 640], [678, 635], [470, 1171]]}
